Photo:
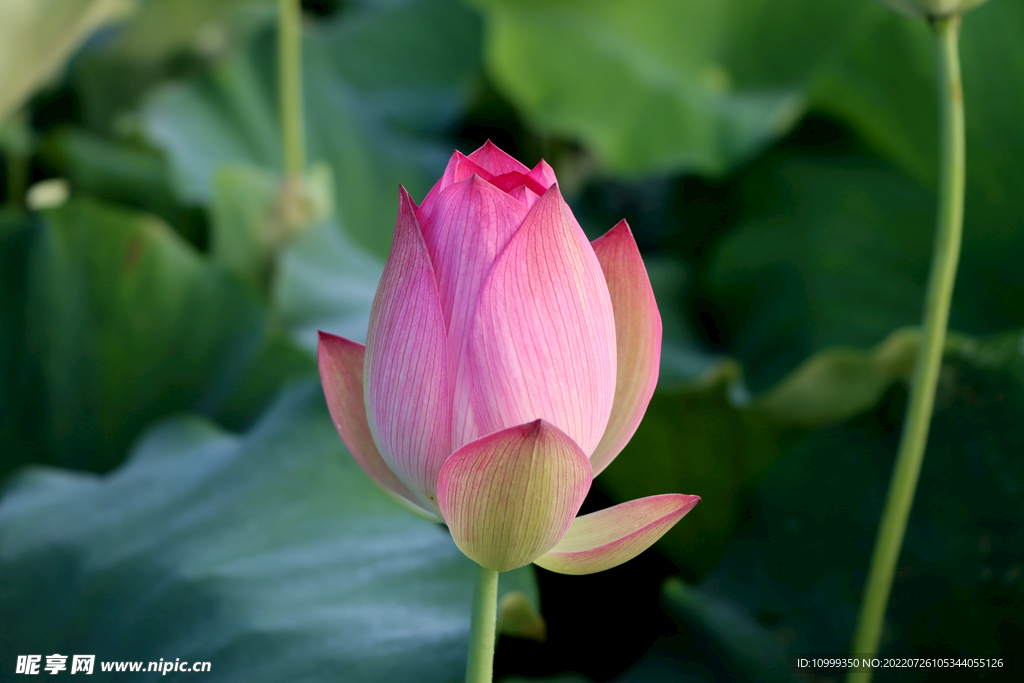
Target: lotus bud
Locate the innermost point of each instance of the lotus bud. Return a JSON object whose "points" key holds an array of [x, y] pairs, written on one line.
{"points": [[508, 361]]}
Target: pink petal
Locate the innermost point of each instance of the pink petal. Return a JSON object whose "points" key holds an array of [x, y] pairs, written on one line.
{"points": [[637, 335], [496, 161], [341, 373], [510, 496], [407, 401], [606, 539], [543, 174], [509, 181], [524, 195], [459, 168], [542, 342], [471, 225]]}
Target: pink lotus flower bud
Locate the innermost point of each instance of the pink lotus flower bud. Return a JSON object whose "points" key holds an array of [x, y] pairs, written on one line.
{"points": [[508, 361]]}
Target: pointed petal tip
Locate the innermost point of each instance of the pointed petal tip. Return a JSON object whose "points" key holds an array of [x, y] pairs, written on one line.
{"points": [[610, 537], [620, 236], [495, 160], [405, 200], [619, 229], [543, 174], [406, 360]]}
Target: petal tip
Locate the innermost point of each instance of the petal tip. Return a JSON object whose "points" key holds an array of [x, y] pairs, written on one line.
{"points": [[610, 537]]}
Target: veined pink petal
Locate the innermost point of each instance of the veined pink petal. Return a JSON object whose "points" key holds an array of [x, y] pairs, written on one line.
{"points": [[496, 161], [542, 340], [471, 224], [341, 373], [525, 195], [459, 168], [510, 496], [606, 539], [506, 182], [637, 335], [543, 174], [406, 371]]}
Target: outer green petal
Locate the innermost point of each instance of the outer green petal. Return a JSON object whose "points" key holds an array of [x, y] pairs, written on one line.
{"points": [[510, 496], [606, 539]]}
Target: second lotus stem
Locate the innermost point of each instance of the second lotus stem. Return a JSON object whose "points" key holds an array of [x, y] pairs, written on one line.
{"points": [[936, 315], [289, 51]]}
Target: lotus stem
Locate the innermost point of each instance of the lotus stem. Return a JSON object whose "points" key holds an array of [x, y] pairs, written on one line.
{"points": [[289, 54], [480, 667], [936, 315]]}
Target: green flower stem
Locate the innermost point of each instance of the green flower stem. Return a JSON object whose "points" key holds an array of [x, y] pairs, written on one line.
{"points": [[480, 668], [289, 64], [936, 314]]}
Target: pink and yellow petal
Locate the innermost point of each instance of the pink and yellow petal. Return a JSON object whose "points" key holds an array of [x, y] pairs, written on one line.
{"points": [[606, 539], [341, 373], [509, 497], [637, 335]]}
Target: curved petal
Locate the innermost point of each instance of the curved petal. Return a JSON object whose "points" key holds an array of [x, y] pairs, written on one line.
{"points": [[406, 370], [506, 182], [525, 195], [471, 224], [543, 174], [510, 496], [542, 341], [637, 336], [341, 373], [606, 539], [459, 168], [490, 157]]}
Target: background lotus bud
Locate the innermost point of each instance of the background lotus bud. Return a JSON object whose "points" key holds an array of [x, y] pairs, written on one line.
{"points": [[932, 8], [508, 361]]}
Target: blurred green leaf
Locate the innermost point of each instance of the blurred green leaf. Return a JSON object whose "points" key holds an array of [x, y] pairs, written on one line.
{"points": [[743, 646], [162, 39], [269, 554], [21, 400], [829, 251], [959, 589], [127, 323], [250, 228], [117, 172], [255, 215], [325, 282], [661, 85], [161, 28], [884, 85], [834, 250], [365, 114], [710, 438], [38, 36]]}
